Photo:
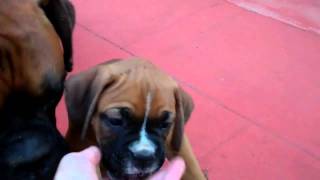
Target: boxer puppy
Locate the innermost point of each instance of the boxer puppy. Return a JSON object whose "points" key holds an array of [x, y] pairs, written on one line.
{"points": [[32, 73], [134, 113]]}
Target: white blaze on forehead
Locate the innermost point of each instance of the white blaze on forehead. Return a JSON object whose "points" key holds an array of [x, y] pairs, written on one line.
{"points": [[144, 144]]}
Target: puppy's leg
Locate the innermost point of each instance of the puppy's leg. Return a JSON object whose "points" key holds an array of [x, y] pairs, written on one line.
{"points": [[193, 170], [61, 14]]}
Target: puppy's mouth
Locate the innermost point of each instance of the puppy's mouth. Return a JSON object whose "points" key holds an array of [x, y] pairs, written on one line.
{"points": [[133, 173], [138, 176]]}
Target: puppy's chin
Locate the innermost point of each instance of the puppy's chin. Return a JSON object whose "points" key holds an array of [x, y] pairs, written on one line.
{"points": [[131, 172], [110, 176]]}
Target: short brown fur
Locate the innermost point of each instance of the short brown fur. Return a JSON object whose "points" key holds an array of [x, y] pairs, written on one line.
{"points": [[126, 83], [30, 50]]}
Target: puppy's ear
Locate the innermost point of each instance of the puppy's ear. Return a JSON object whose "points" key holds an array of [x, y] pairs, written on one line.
{"points": [[61, 14], [5, 71], [81, 94], [184, 108], [5, 57]]}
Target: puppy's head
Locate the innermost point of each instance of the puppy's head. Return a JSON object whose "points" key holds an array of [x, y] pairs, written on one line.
{"points": [[132, 111]]}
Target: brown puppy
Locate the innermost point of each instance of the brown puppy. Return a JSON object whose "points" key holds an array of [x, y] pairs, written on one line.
{"points": [[135, 113], [32, 73]]}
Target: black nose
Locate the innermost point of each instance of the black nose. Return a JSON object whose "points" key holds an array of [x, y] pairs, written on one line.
{"points": [[143, 155]]}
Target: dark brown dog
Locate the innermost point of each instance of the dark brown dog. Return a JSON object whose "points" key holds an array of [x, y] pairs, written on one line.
{"points": [[30, 49], [135, 113], [32, 71], [61, 14]]}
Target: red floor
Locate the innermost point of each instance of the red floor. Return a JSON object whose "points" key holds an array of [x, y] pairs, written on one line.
{"points": [[255, 80]]}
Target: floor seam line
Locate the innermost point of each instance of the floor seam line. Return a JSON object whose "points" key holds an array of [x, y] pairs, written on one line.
{"points": [[253, 122], [312, 31], [234, 135], [105, 39], [177, 22]]}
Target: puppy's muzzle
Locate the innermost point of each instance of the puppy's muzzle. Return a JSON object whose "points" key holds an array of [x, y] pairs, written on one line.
{"points": [[143, 149]]}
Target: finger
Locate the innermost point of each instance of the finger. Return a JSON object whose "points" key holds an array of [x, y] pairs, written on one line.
{"points": [[173, 172], [92, 154], [176, 169], [159, 175]]}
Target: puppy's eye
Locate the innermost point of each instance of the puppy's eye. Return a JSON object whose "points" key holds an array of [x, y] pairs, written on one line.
{"points": [[116, 122], [165, 124], [125, 113], [165, 120], [165, 116]]}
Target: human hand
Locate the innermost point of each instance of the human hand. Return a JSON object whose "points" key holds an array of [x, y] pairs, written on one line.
{"points": [[79, 165], [83, 166], [174, 171]]}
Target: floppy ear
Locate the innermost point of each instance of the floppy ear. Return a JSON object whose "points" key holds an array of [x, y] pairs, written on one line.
{"points": [[61, 14], [4, 59], [5, 72], [184, 108], [81, 94]]}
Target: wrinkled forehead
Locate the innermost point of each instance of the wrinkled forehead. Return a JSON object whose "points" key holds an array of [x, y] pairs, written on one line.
{"points": [[134, 96]]}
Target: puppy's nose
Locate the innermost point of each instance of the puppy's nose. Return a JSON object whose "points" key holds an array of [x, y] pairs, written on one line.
{"points": [[143, 149]]}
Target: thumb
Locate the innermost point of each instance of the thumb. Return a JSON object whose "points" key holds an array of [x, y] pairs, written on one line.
{"points": [[92, 154], [175, 169], [173, 172]]}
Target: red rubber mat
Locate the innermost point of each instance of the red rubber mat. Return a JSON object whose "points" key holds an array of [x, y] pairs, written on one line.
{"points": [[255, 80]]}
